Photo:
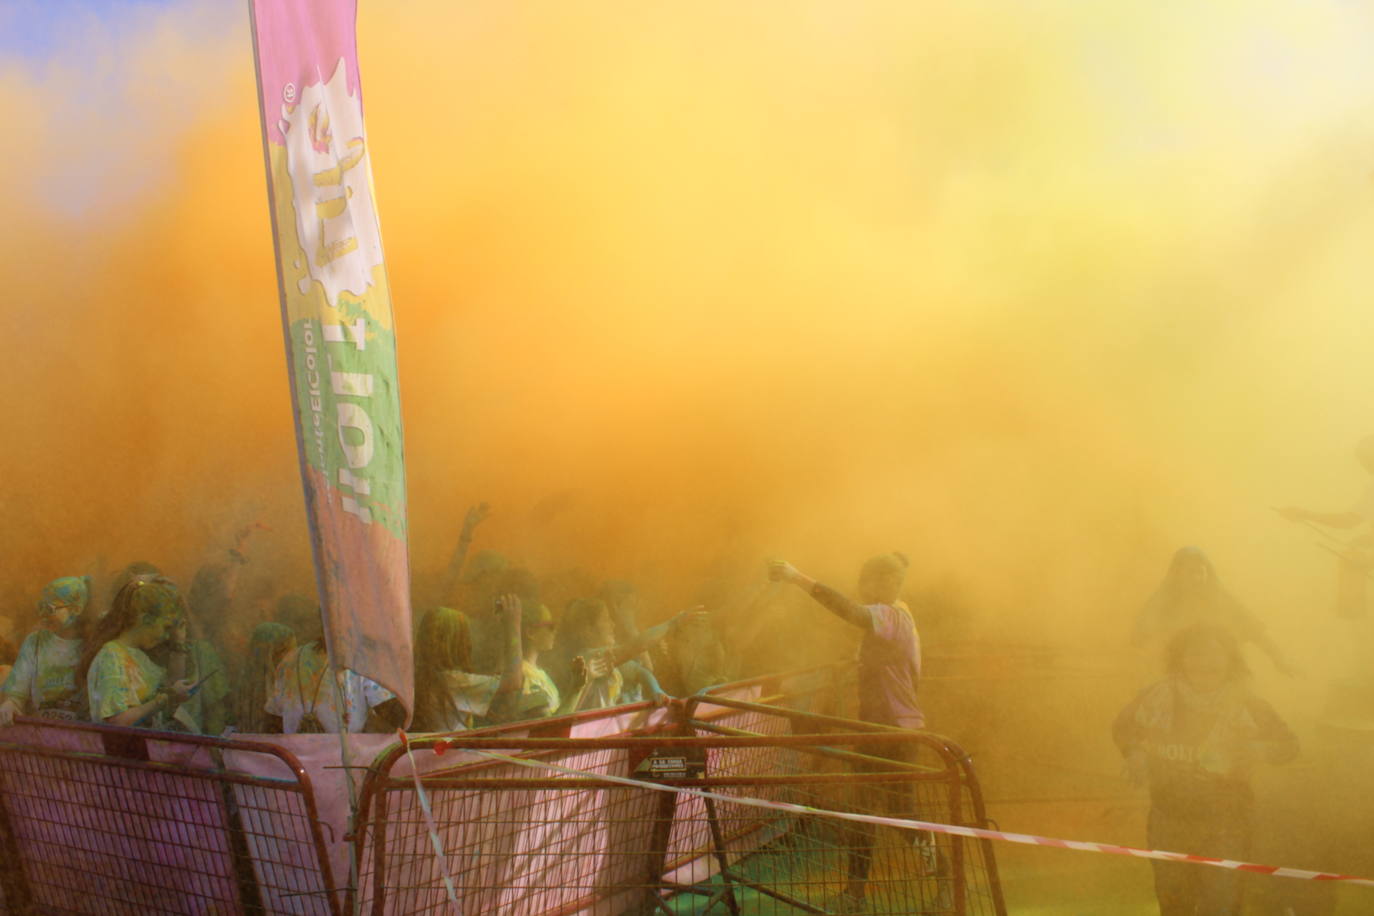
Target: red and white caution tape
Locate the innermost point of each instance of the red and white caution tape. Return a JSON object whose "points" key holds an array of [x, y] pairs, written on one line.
{"points": [[976, 833], [434, 840]]}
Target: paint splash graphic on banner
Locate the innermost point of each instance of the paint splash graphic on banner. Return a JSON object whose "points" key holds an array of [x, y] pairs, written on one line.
{"points": [[342, 350]]}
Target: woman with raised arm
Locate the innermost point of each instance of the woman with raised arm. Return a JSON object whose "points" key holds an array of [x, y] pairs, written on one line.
{"points": [[449, 696], [43, 679], [538, 694], [123, 685]]}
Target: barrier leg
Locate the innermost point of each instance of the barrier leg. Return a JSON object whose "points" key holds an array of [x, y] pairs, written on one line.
{"points": [[722, 857], [18, 901], [658, 856]]}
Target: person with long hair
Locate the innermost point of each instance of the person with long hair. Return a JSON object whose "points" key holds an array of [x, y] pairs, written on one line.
{"points": [[539, 695], [269, 643], [1194, 738], [692, 657], [1191, 593], [449, 695], [599, 671], [184, 655], [123, 685], [43, 679], [310, 695]]}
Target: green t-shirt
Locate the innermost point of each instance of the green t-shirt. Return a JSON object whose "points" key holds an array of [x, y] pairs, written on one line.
{"points": [[204, 713]]}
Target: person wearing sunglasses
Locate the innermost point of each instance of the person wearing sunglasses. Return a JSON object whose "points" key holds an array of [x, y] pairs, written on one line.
{"points": [[43, 679]]}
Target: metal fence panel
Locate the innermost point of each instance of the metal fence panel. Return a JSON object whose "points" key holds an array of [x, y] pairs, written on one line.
{"points": [[516, 838], [104, 820]]}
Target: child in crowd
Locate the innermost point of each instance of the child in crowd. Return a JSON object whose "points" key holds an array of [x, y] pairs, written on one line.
{"points": [[1193, 738]]}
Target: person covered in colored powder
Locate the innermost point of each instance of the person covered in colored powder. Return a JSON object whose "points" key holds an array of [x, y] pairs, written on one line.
{"points": [[311, 696], [449, 695], [188, 657], [268, 644], [692, 657], [43, 679], [123, 685], [1192, 593], [889, 665], [538, 695], [1194, 738], [610, 674]]}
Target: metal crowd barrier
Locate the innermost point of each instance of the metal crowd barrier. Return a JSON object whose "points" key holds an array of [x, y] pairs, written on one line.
{"points": [[107, 820], [491, 823], [975, 881], [100, 819]]}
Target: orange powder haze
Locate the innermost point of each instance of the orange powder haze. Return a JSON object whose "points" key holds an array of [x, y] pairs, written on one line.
{"points": [[1035, 295]]}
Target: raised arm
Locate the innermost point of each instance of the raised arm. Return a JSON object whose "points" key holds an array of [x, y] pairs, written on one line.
{"points": [[847, 610], [475, 516], [618, 655], [239, 558], [510, 609], [646, 679], [1329, 519]]}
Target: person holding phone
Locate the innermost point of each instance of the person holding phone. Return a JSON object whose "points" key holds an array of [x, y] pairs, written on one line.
{"points": [[124, 686]]}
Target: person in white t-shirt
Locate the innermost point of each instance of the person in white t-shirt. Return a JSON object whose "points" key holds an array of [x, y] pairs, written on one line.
{"points": [[449, 695], [311, 696]]}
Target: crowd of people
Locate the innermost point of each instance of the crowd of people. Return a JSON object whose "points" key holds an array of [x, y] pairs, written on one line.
{"points": [[494, 650], [215, 657]]}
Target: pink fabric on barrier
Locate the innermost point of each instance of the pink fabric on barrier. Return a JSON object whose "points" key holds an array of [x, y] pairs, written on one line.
{"points": [[321, 756], [164, 830]]}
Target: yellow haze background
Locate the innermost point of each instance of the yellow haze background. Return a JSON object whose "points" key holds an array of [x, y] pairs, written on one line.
{"points": [[1036, 293]]}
